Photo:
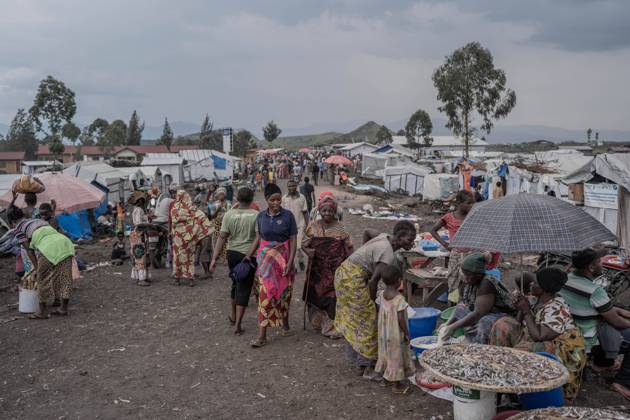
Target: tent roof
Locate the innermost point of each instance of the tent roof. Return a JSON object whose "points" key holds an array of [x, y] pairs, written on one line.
{"points": [[97, 171], [615, 167], [156, 159], [353, 146], [408, 169]]}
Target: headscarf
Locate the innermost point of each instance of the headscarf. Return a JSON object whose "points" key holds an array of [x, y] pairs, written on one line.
{"points": [[187, 221], [475, 263], [272, 189], [326, 194], [136, 196], [327, 201], [174, 186], [219, 191]]}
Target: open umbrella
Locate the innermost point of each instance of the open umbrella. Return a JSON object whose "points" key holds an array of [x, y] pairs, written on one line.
{"points": [[338, 160], [71, 194], [529, 223], [305, 150]]}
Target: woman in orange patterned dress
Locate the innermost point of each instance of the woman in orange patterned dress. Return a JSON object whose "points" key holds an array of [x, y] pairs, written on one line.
{"points": [[189, 225]]}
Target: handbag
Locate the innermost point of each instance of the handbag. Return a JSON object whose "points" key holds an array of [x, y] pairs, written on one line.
{"points": [[242, 270]]}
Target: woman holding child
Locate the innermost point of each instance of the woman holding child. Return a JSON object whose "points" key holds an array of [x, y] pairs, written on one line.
{"points": [[356, 282]]}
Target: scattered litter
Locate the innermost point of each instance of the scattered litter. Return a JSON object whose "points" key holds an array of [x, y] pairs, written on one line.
{"points": [[261, 395], [195, 385], [125, 401], [112, 350]]}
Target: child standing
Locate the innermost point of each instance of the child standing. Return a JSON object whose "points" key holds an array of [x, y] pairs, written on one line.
{"points": [[394, 360]]}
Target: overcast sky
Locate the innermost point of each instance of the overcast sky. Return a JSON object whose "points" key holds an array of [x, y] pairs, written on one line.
{"points": [[304, 62]]}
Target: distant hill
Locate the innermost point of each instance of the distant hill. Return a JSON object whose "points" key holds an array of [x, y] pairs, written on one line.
{"points": [[366, 132]]}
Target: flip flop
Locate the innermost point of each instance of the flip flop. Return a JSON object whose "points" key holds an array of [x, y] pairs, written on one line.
{"points": [[59, 313], [38, 316], [257, 343], [402, 391]]}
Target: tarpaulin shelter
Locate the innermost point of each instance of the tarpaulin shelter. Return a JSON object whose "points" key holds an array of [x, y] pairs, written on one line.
{"points": [[115, 181], [440, 186], [374, 164], [408, 179], [202, 164], [171, 166]]}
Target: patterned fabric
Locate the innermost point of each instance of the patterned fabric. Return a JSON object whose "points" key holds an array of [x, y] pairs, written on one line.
{"points": [[120, 218], [55, 246], [394, 360], [568, 346], [274, 289], [54, 281], [586, 301], [555, 315], [138, 249], [503, 300], [24, 230], [529, 223], [452, 224], [355, 316], [454, 276], [189, 225], [221, 208]]}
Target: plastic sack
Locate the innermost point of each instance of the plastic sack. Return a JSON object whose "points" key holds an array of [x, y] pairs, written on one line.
{"points": [[28, 184]]}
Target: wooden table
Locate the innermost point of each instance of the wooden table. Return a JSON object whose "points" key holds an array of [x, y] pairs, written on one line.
{"points": [[432, 286]]}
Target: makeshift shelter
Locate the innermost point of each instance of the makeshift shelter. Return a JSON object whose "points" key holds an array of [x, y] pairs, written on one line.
{"points": [[374, 164], [440, 186], [114, 180], [354, 149], [408, 179], [203, 164], [171, 166], [605, 181]]}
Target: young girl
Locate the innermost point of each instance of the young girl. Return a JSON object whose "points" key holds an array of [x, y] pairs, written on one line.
{"points": [[464, 200], [394, 360]]}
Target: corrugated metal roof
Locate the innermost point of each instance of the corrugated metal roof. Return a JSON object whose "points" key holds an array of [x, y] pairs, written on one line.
{"points": [[201, 154], [157, 159]]}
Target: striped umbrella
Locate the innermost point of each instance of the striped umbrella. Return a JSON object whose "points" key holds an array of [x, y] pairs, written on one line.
{"points": [[529, 223]]}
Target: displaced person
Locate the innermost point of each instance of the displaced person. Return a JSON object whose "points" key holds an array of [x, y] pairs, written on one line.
{"points": [[275, 244], [220, 206], [545, 325], [296, 204], [356, 282], [394, 360], [120, 217], [31, 211], [326, 195], [308, 191], [119, 254], [327, 244], [597, 318], [464, 201], [238, 229], [138, 239], [484, 300], [189, 226], [497, 191], [47, 214], [52, 262]]}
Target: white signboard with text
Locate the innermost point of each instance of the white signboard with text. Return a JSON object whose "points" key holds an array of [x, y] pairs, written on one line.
{"points": [[605, 196]]}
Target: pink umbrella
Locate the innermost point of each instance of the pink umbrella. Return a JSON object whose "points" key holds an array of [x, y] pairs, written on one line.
{"points": [[305, 150], [71, 194], [338, 160]]}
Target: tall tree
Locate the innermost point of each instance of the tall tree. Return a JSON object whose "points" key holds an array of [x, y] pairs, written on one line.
{"points": [[70, 131], [54, 106], [208, 139], [271, 131], [383, 135], [167, 135], [95, 132], [400, 132], [589, 132], [419, 128], [242, 141], [115, 134], [469, 84], [134, 130], [21, 135], [56, 147]]}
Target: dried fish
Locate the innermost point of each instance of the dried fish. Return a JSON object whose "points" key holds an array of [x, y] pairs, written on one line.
{"points": [[492, 365], [577, 413]]}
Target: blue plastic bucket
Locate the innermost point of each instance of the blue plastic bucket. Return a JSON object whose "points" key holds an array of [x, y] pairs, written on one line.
{"points": [[423, 322], [551, 398]]}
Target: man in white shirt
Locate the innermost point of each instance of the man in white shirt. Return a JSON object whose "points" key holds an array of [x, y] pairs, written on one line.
{"points": [[163, 205], [296, 204]]}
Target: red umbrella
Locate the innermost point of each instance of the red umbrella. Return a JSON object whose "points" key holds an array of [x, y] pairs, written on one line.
{"points": [[338, 160], [71, 194]]}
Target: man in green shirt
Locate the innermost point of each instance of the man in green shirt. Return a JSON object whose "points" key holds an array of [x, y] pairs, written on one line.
{"points": [[597, 318], [238, 228]]}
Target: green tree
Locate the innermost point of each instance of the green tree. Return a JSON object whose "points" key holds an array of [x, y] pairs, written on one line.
{"points": [[419, 128], [55, 146], [21, 135], [207, 138], [383, 135], [54, 106], [115, 134], [134, 130], [86, 139], [468, 84], [242, 141], [271, 131], [589, 132], [95, 132], [70, 131], [167, 135], [400, 132]]}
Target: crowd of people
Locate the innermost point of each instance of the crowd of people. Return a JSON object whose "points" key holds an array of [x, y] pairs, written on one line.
{"points": [[352, 291]]}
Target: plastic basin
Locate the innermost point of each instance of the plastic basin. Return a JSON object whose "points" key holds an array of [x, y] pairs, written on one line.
{"points": [[418, 343], [423, 322]]}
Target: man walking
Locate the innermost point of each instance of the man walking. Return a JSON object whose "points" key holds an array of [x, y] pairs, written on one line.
{"points": [[296, 204], [308, 191]]}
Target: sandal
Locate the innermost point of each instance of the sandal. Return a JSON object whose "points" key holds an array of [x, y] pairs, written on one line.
{"points": [[59, 313], [38, 316], [402, 391], [257, 343]]}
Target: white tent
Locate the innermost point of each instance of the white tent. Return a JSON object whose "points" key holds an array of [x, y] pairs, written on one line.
{"points": [[440, 186], [115, 180], [171, 166], [409, 178], [204, 163], [373, 164]]}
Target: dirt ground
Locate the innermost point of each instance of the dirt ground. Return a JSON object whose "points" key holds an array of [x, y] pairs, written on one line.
{"points": [[169, 352]]}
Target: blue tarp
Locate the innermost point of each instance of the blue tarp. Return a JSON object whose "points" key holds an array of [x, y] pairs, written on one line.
{"points": [[76, 225], [219, 162]]}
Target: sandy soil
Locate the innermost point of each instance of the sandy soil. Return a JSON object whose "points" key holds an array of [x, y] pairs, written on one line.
{"points": [[169, 352]]}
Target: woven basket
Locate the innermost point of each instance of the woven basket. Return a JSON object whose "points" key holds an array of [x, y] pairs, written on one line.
{"points": [[570, 413], [525, 388]]}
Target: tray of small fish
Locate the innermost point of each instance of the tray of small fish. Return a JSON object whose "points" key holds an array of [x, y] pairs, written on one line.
{"points": [[574, 413], [493, 368]]}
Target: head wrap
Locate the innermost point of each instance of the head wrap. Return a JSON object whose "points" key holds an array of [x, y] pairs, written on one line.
{"points": [[474, 263], [173, 187], [272, 189], [136, 196], [326, 194], [327, 201], [551, 279], [219, 191]]}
